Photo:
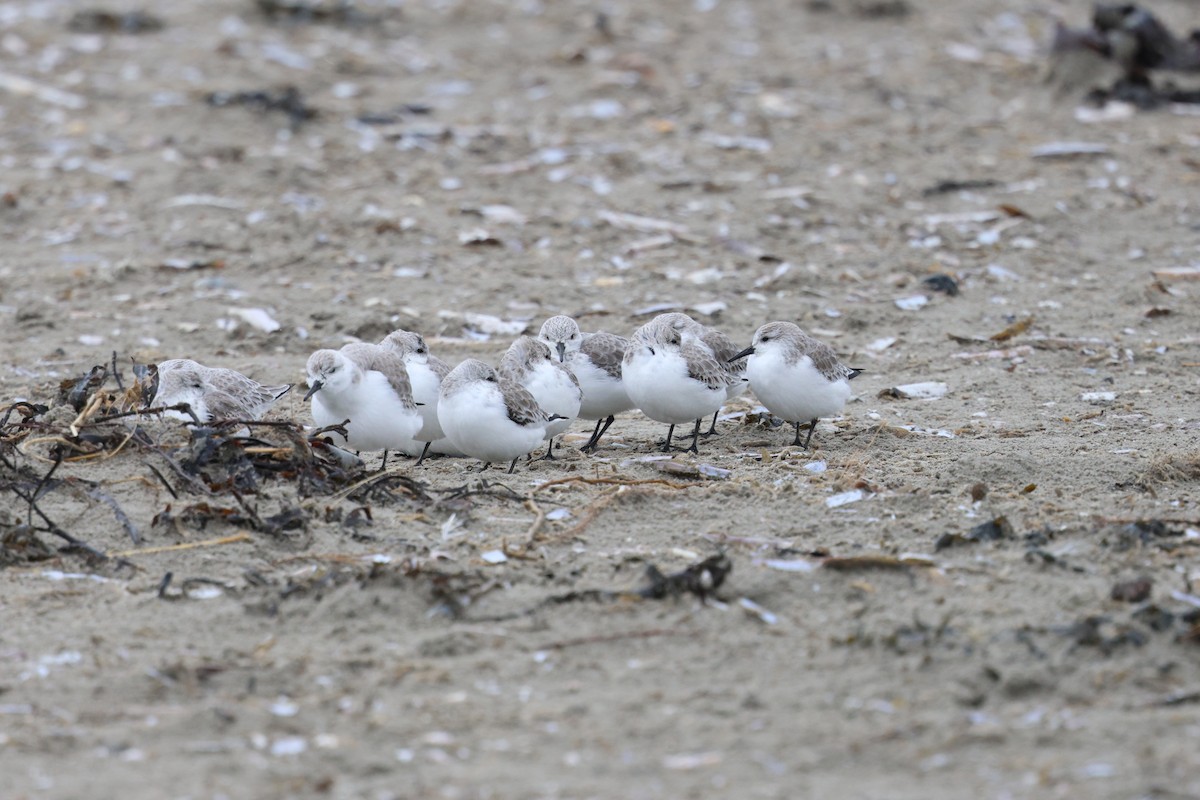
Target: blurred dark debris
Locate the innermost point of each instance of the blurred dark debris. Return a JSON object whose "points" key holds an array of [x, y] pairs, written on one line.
{"points": [[448, 594], [941, 282], [1130, 39], [102, 20], [991, 531], [287, 100], [76, 392], [867, 9], [389, 489], [1132, 591], [1143, 533], [960, 185], [218, 459], [1154, 617], [922, 637], [701, 579], [457, 497], [1104, 634], [1108, 633], [353, 522], [338, 12], [197, 516], [395, 117], [19, 544]]}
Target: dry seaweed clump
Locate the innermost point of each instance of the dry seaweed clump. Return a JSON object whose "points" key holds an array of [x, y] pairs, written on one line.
{"points": [[97, 418], [1171, 468]]}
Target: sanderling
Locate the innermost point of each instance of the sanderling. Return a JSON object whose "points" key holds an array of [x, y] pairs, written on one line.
{"points": [[673, 379], [723, 349], [367, 385], [796, 376], [213, 392], [426, 372], [489, 416], [595, 360], [530, 363]]}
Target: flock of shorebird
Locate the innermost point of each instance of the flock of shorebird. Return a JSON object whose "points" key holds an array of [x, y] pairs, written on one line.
{"points": [[397, 396]]}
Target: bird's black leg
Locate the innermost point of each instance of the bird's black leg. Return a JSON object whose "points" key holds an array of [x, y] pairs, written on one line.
{"points": [[812, 426], [549, 452], [712, 429], [591, 443], [424, 452], [591, 446], [695, 437], [512, 466], [796, 441], [384, 465], [486, 466], [670, 433]]}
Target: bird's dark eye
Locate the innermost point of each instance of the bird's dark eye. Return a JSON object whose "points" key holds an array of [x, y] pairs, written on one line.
{"points": [[765, 339], [197, 386], [420, 349]]}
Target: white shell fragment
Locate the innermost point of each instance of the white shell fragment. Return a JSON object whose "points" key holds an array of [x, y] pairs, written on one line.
{"points": [[502, 215], [912, 303], [690, 761], [657, 308], [1098, 398], [59, 575], [1069, 150], [790, 564], [1002, 273], [494, 557], [961, 218], [928, 390], [205, 591], [284, 707], [844, 498], [22, 86], [758, 611], [710, 308], [635, 222], [714, 473], [289, 746], [941, 433], [1178, 273], [879, 345], [256, 318], [487, 324], [209, 200], [477, 236], [754, 144]]}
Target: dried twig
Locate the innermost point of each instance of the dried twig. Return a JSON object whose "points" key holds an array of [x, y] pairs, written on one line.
{"points": [[241, 536], [616, 637], [539, 520], [614, 482]]}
